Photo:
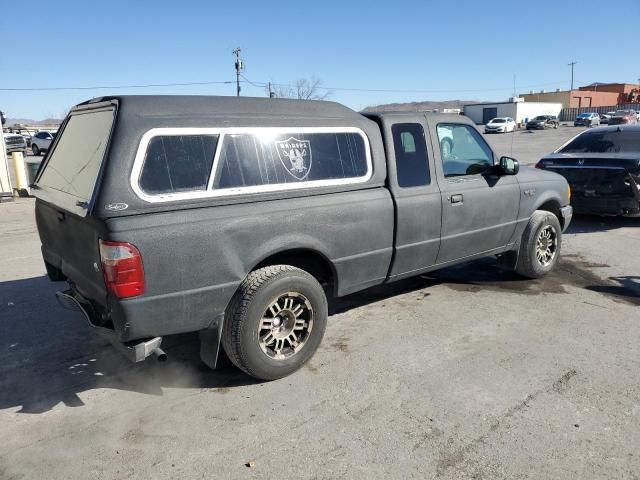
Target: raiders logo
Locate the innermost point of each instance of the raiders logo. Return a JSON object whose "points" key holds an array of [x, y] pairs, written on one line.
{"points": [[295, 156]]}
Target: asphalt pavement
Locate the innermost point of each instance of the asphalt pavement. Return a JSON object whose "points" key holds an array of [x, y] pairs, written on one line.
{"points": [[470, 372]]}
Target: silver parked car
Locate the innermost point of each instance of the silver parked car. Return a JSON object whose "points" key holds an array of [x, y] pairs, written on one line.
{"points": [[15, 143], [41, 141]]}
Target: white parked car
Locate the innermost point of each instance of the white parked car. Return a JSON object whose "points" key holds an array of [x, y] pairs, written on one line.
{"points": [[15, 143], [500, 125], [41, 142]]}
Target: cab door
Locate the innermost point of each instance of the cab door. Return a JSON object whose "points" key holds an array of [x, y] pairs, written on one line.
{"points": [[415, 191], [479, 207]]}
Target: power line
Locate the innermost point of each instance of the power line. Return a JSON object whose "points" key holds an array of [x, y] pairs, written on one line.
{"points": [[114, 87], [259, 84]]}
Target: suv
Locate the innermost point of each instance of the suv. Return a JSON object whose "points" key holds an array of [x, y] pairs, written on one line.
{"points": [[15, 143], [542, 122], [244, 218], [41, 142], [587, 120]]}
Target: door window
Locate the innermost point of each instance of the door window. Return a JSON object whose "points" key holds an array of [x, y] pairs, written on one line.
{"points": [[412, 163], [463, 150]]}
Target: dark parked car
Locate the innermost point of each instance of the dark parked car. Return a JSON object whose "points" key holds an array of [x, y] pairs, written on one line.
{"points": [[591, 119], [602, 167], [622, 117], [243, 218], [604, 118], [542, 122]]}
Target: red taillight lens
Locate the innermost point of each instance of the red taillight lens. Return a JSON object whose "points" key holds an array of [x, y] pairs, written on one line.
{"points": [[540, 164], [122, 269]]}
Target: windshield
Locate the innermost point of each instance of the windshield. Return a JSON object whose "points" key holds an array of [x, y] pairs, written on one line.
{"points": [[621, 113], [610, 141], [498, 120], [72, 168], [584, 115], [540, 117]]}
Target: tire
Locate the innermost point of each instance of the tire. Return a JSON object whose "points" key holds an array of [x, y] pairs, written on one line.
{"points": [[246, 333], [35, 149], [529, 263]]}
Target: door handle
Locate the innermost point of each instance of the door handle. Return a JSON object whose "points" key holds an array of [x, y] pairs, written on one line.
{"points": [[456, 198]]}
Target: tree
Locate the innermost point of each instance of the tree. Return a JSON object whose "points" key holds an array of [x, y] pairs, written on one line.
{"points": [[303, 89]]}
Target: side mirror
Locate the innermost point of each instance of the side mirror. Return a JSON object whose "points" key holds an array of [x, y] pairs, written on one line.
{"points": [[509, 166]]}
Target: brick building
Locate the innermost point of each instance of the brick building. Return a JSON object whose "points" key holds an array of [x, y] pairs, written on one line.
{"points": [[594, 95], [625, 91]]}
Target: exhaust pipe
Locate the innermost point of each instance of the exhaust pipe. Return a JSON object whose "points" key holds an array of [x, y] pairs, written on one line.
{"points": [[159, 355]]}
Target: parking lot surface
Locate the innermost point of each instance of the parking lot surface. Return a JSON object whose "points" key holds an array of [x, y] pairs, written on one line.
{"points": [[469, 372]]}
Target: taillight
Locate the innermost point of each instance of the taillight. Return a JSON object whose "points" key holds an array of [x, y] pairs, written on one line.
{"points": [[122, 269], [540, 164]]}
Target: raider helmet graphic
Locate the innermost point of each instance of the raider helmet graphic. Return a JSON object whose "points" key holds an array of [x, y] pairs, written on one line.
{"points": [[295, 156]]}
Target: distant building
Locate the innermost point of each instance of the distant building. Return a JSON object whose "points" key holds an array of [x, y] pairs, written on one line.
{"points": [[517, 109], [574, 98], [627, 92], [594, 95]]}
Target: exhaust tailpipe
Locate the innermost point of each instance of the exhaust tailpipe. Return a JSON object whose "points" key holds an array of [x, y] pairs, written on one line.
{"points": [[159, 355]]}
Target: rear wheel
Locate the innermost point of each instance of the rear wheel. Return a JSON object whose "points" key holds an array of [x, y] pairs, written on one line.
{"points": [[540, 245], [275, 322]]}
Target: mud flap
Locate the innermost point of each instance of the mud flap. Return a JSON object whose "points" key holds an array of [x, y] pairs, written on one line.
{"points": [[210, 343]]}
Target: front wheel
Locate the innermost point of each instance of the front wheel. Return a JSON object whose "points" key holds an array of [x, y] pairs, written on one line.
{"points": [[275, 322], [35, 149], [540, 245]]}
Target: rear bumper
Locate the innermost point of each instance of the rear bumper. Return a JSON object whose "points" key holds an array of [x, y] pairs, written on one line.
{"points": [[606, 206], [566, 213], [134, 351]]}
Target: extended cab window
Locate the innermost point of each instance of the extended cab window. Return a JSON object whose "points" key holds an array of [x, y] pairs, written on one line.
{"points": [[255, 159], [73, 167], [463, 150], [178, 163], [412, 163]]}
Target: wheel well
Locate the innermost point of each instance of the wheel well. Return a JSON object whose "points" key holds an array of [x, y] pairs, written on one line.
{"points": [[308, 260], [552, 206]]}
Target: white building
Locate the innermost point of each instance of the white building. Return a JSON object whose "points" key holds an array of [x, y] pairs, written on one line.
{"points": [[520, 111]]}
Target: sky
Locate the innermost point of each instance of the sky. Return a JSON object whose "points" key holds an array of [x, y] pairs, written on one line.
{"points": [[365, 52]]}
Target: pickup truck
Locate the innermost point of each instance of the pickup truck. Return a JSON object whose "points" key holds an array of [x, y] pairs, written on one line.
{"points": [[243, 218]]}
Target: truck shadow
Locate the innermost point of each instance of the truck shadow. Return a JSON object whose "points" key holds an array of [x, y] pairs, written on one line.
{"points": [[48, 356]]}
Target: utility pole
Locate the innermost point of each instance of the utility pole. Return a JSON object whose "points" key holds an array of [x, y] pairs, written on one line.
{"points": [[571, 65], [239, 68]]}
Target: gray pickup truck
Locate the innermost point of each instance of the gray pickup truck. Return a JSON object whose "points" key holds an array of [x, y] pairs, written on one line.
{"points": [[243, 218]]}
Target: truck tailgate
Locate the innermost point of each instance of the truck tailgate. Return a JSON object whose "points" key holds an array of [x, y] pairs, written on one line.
{"points": [[70, 244]]}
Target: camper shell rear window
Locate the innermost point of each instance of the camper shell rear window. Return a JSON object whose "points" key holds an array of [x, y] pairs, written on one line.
{"points": [[69, 176], [183, 163]]}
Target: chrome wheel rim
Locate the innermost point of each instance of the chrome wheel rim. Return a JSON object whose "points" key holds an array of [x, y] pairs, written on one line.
{"points": [[285, 326], [546, 245]]}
